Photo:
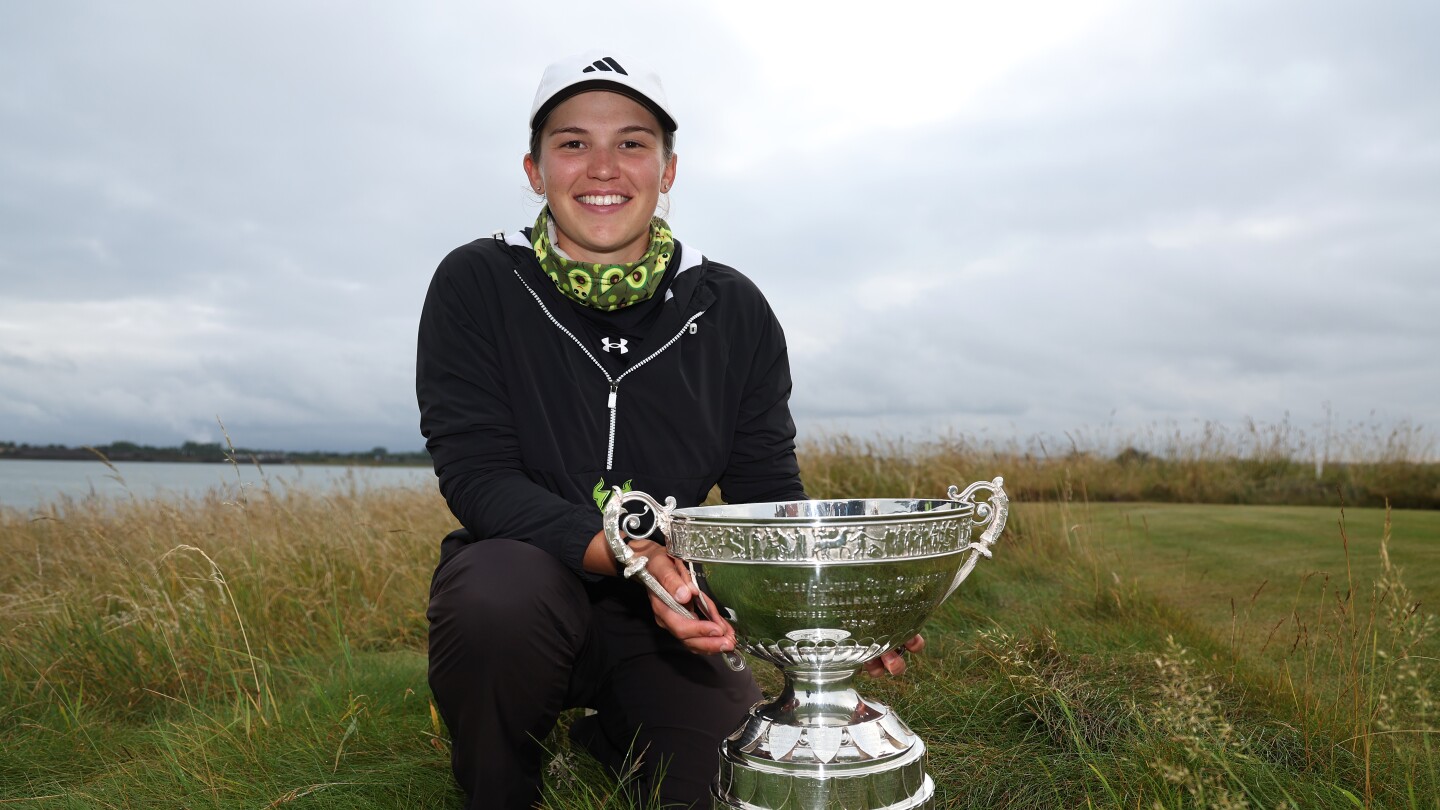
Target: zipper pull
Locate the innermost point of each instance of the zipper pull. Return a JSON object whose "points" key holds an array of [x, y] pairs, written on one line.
{"points": [[614, 391]]}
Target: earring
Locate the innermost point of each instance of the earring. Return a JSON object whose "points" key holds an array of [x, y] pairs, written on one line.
{"points": [[539, 190]]}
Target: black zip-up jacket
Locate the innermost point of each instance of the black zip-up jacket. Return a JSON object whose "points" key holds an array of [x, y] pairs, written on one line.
{"points": [[527, 430]]}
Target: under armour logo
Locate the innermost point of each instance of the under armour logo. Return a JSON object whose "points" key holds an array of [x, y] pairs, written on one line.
{"points": [[619, 344], [607, 64]]}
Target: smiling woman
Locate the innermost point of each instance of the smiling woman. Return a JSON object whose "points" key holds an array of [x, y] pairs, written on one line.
{"points": [[602, 166], [555, 364]]}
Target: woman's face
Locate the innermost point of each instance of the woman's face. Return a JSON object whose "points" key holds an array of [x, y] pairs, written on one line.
{"points": [[601, 166]]}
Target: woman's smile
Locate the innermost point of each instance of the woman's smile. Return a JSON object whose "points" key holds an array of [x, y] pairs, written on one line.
{"points": [[603, 200]]}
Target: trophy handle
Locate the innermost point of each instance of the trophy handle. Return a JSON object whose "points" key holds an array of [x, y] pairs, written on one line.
{"points": [[991, 514], [633, 565]]}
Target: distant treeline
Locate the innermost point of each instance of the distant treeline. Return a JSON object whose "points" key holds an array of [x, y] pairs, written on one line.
{"points": [[1197, 473], [208, 452], [1361, 465]]}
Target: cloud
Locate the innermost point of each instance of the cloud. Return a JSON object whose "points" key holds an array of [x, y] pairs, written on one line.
{"points": [[1023, 219], [1167, 230]]}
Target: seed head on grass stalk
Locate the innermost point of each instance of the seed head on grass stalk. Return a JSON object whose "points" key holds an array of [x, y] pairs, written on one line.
{"points": [[1408, 699], [577, 782], [1073, 700], [218, 577], [308, 790]]}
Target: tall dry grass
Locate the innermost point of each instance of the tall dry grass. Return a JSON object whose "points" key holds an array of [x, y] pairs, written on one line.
{"points": [[1362, 465], [246, 640], [118, 606]]}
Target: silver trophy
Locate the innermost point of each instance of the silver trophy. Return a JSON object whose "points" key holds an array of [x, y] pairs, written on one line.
{"points": [[817, 588]]}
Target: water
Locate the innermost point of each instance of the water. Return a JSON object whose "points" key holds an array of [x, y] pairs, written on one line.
{"points": [[25, 485]]}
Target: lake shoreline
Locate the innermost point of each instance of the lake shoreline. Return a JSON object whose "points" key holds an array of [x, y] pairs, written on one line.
{"points": [[30, 484], [209, 453]]}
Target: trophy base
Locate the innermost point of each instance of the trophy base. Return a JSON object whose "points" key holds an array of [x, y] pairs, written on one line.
{"points": [[870, 762]]}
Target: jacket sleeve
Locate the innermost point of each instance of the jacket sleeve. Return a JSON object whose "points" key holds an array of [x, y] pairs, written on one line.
{"points": [[762, 466], [468, 425]]}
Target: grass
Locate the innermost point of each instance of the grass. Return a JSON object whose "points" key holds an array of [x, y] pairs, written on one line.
{"points": [[268, 652], [220, 653], [1360, 465]]}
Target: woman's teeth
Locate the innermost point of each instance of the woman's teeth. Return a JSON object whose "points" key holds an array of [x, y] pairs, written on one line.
{"points": [[602, 199]]}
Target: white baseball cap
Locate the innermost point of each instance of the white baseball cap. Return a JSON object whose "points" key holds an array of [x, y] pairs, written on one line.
{"points": [[601, 70]]}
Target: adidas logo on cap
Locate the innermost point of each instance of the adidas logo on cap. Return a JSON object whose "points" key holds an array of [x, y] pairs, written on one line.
{"points": [[608, 63]]}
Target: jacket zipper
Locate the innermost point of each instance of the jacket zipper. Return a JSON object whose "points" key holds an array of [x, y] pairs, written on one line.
{"points": [[611, 401]]}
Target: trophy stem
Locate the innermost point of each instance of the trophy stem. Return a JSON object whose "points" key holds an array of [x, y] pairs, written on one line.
{"points": [[819, 745], [820, 697]]}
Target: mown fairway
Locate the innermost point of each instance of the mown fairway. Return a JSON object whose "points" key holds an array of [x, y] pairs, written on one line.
{"points": [[1272, 561], [269, 654]]}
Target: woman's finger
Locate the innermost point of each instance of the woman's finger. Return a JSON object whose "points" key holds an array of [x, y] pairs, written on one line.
{"points": [[697, 635], [664, 568], [894, 663]]}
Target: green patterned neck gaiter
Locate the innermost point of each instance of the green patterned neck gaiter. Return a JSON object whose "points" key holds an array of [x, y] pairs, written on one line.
{"points": [[605, 287]]}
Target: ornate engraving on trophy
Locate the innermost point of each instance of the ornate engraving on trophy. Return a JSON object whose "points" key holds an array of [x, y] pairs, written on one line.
{"points": [[870, 595], [821, 543]]}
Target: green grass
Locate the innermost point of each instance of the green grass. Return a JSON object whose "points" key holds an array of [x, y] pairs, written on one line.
{"points": [[340, 736], [1271, 560], [268, 653]]}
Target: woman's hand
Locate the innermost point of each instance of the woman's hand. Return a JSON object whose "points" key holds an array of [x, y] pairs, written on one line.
{"points": [[893, 662], [698, 636]]}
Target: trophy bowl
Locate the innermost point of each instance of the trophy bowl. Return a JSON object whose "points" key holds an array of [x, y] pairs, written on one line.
{"points": [[817, 588]]}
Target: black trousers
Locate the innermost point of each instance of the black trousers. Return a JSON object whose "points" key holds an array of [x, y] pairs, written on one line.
{"points": [[516, 637]]}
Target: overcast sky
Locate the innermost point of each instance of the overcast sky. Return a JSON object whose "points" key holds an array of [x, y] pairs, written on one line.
{"points": [[1003, 219]]}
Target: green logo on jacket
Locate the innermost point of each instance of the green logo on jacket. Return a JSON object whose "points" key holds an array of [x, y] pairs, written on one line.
{"points": [[602, 493]]}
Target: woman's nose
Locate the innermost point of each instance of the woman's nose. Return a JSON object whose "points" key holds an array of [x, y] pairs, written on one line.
{"points": [[603, 165]]}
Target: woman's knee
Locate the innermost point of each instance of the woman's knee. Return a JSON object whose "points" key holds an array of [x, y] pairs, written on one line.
{"points": [[499, 591]]}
